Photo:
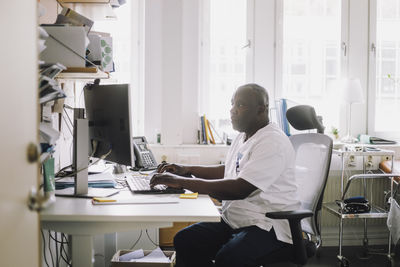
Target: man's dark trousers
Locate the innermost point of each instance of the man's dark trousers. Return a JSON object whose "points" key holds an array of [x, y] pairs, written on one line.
{"points": [[199, 244]]}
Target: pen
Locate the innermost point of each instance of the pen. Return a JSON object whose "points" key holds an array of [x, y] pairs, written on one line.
{"points": [[113, 194]]}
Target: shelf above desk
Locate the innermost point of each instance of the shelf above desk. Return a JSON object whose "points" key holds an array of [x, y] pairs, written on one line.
{"points": [[90, 74]]}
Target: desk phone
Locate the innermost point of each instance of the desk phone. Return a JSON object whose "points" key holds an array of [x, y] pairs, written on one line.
{"points": [[144, 157]]}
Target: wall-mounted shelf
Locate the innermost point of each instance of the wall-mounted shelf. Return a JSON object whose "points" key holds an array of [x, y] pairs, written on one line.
{"points": [[82, 74]]}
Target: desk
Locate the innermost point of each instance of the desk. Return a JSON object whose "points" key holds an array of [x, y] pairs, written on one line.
{"points": [[82, 220]]}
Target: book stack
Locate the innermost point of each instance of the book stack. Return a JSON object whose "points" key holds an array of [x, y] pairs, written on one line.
{"points": [[207, 132], [49, 89]]}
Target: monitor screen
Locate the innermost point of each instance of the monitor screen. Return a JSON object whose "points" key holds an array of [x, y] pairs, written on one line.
{"points": [[108, 113]]}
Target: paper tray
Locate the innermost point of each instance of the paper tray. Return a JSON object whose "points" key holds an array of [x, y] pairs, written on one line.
{"points": [[116, 263]]}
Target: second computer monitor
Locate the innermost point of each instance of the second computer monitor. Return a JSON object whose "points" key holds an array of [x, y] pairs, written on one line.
{"points": [[108, 113]]}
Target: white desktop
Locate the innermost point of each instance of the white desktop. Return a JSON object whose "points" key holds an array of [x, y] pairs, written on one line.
{"points": [[82, 220]]}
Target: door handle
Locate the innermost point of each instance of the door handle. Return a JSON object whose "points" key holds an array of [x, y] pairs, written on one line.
{"points": [[32, 152]]}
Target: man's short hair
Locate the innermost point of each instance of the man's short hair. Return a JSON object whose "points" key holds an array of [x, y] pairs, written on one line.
{"points": [[261, 93]]}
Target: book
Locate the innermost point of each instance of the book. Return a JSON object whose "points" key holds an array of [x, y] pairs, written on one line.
{"points": [[212, 140], [206, 129], [281, 106], [285, 122], [203, 131], [215, 132]]}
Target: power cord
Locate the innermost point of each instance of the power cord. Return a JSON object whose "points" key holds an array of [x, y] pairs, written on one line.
{"points": [[78, 171], [137, 240], [65, 257], [140, 235], [59, 252], [51, 253], [94, 145], [44, 248], [148, 236]]}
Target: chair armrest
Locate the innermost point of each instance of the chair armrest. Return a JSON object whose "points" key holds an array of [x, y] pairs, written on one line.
{"points": [[290, 215], [294, 218]]}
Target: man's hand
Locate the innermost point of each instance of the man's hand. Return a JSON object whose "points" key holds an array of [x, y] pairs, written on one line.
{"points": [[167, 179], [173, 168]]}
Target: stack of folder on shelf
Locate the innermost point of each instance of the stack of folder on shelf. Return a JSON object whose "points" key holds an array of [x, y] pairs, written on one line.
{"points": [[49, 90]]}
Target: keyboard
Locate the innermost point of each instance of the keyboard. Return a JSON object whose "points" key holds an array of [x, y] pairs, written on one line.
{"points": [[141, 184]]}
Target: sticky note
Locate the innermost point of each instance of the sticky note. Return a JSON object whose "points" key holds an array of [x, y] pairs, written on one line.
{"points": [[189, 196], [103, 199]]}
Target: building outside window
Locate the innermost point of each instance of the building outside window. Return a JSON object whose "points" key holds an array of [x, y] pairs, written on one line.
{"points": [[308, 61], [386, 67], [224, 58]]}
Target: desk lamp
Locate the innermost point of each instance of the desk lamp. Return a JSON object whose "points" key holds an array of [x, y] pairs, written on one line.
{"points": [[352, 93]]}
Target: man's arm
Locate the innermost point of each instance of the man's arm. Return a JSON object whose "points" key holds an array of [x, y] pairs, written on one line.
{"points": [[206, 172], [223, 189]]}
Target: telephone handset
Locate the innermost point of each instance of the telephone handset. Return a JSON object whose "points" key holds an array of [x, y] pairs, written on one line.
{"points": [[144, 157]]}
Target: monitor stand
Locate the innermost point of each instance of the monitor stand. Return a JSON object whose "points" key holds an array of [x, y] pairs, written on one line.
{"points": [[80, 162], [80, 158]]}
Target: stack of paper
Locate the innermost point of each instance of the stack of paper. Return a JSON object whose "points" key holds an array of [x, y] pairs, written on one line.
{"points": [[101, 180], [138, 256]]}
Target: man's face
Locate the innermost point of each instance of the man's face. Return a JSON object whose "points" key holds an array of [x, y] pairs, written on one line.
{"points": [[244, 109]]}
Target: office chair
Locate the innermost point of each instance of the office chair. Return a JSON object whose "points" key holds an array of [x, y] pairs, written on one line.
{"points": [[303, 117], [313, 158]]}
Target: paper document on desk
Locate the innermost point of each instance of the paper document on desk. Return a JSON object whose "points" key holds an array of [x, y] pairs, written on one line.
{"points": [[105, 176], [393, 221], [139, 199], [92, 192], [100, 180]]}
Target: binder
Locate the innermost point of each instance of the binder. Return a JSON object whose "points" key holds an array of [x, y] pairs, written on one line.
{"points": [[206, 129], [203, 130], [212, 140]]}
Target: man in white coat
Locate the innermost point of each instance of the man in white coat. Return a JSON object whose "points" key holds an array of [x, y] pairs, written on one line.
{"points": [[258, 177]]}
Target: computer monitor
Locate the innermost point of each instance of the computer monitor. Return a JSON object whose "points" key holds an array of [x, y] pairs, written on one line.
{"points": [[108, 114], [104, 133]]}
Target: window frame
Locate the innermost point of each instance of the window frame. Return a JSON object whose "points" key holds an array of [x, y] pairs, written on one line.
{"points": [[372, 76], [343, 61], [204, 59]]}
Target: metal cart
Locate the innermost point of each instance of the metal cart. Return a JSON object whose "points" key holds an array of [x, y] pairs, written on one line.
{"points": [[375, 211]]}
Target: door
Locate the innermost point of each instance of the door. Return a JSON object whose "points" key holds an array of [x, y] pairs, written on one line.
{"points": [[19, 227]]}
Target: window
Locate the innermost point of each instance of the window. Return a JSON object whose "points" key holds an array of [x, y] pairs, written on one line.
{"points": [[385, 64], [308, 60], [120, 30], [223, 58], [126, 56]]}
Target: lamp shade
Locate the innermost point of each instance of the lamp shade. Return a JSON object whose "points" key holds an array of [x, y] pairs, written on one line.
{"points": [[352, 91]]}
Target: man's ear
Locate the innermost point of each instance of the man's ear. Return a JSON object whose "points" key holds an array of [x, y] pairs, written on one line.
{"points": [[262, 109]]}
